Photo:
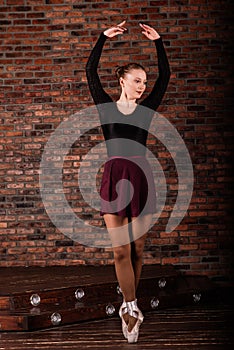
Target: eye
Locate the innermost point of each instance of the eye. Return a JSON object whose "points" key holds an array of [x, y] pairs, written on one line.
{"points": [[138, 81]]}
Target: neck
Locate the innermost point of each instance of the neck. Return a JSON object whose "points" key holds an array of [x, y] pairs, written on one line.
{"points": [[126, 101]]}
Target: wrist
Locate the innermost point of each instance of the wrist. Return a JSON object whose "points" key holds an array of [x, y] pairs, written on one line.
{"points": [[104, 35]]}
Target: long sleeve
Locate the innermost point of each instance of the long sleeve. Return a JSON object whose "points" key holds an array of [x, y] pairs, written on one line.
{"points": [[155, 97], [95, 86]]}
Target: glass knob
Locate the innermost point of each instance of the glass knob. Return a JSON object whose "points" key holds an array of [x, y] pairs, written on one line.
{"points": [[162, 283], [196, 297], [35, 299], [110, 310], [119, 291], [79, 293], [56, 318], [154, 303]]}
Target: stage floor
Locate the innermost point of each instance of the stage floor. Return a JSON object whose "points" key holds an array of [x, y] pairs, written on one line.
{"points": [[195, 327], [178, 322]]}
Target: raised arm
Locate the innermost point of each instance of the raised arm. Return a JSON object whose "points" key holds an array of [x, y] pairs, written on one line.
{"points": [[98, 93], [155, 97]]}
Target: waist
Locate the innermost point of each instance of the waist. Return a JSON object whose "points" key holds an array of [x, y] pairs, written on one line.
{"points": [[125, 148]]}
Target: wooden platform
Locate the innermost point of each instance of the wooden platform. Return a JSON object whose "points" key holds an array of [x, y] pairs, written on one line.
{"points": [[70, 295], [195, 327]]}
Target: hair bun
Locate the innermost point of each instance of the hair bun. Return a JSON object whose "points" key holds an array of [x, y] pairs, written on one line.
{"points": [[119, 72]]}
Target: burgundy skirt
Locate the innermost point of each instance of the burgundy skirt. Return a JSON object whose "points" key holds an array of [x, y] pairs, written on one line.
{"points": [[128, 198]]}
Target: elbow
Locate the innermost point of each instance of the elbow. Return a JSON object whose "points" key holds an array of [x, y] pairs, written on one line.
{"points": [[88, 70], [168, 71], [89, 64], [87, 67], [168, 74], [166, 78]]}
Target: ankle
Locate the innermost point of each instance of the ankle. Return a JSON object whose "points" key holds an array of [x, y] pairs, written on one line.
{"points": [[132, 308]]}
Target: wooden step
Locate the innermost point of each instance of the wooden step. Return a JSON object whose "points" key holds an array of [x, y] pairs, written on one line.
{"points": [[60, 288], [160, 287]]}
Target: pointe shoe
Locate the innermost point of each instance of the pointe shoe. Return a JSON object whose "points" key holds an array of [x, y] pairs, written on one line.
{"points": [[122, 311], [134, 311]]}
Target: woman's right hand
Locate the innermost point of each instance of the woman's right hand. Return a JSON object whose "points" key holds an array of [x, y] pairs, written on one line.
{"points": [[113, 31]]}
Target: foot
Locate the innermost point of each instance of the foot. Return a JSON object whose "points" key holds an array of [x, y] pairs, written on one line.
{"points": [[135, 320], [123, 314]]}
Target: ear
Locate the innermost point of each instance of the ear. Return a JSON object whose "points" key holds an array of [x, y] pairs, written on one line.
{"points": [[121, 81]]}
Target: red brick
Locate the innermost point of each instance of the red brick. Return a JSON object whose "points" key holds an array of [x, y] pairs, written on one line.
{"points": [[43, 82]]}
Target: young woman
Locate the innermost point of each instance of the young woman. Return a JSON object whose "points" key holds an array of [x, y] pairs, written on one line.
{"points": [[128, 163]]}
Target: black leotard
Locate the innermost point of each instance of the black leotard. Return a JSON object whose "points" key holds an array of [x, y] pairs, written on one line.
{"points": [[116, 125]]}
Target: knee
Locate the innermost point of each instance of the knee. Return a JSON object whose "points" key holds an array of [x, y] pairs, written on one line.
{"points": [[121, 253], [139, 249]]}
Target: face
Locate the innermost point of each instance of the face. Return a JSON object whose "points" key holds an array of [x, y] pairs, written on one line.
{"points": [[133, 84]]}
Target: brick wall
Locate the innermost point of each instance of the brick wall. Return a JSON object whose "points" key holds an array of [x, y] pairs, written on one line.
{"points": [[44, 48]]}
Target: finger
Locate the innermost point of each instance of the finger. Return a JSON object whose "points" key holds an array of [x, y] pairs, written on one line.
{"points": [[120, 30], [145, 26], [123, 28], [121, 24], [117, 27]]}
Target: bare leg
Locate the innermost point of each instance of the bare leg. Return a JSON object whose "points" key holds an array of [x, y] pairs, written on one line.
{"points": [[139, 226], [122, 257], [123, 266], [128, 263], [137, 257]]}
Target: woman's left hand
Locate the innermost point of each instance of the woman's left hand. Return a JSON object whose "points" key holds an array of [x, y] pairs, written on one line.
{"points": [[149, 32]]}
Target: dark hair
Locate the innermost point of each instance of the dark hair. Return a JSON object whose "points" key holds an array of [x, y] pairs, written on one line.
{"points": [[122, 70]]}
